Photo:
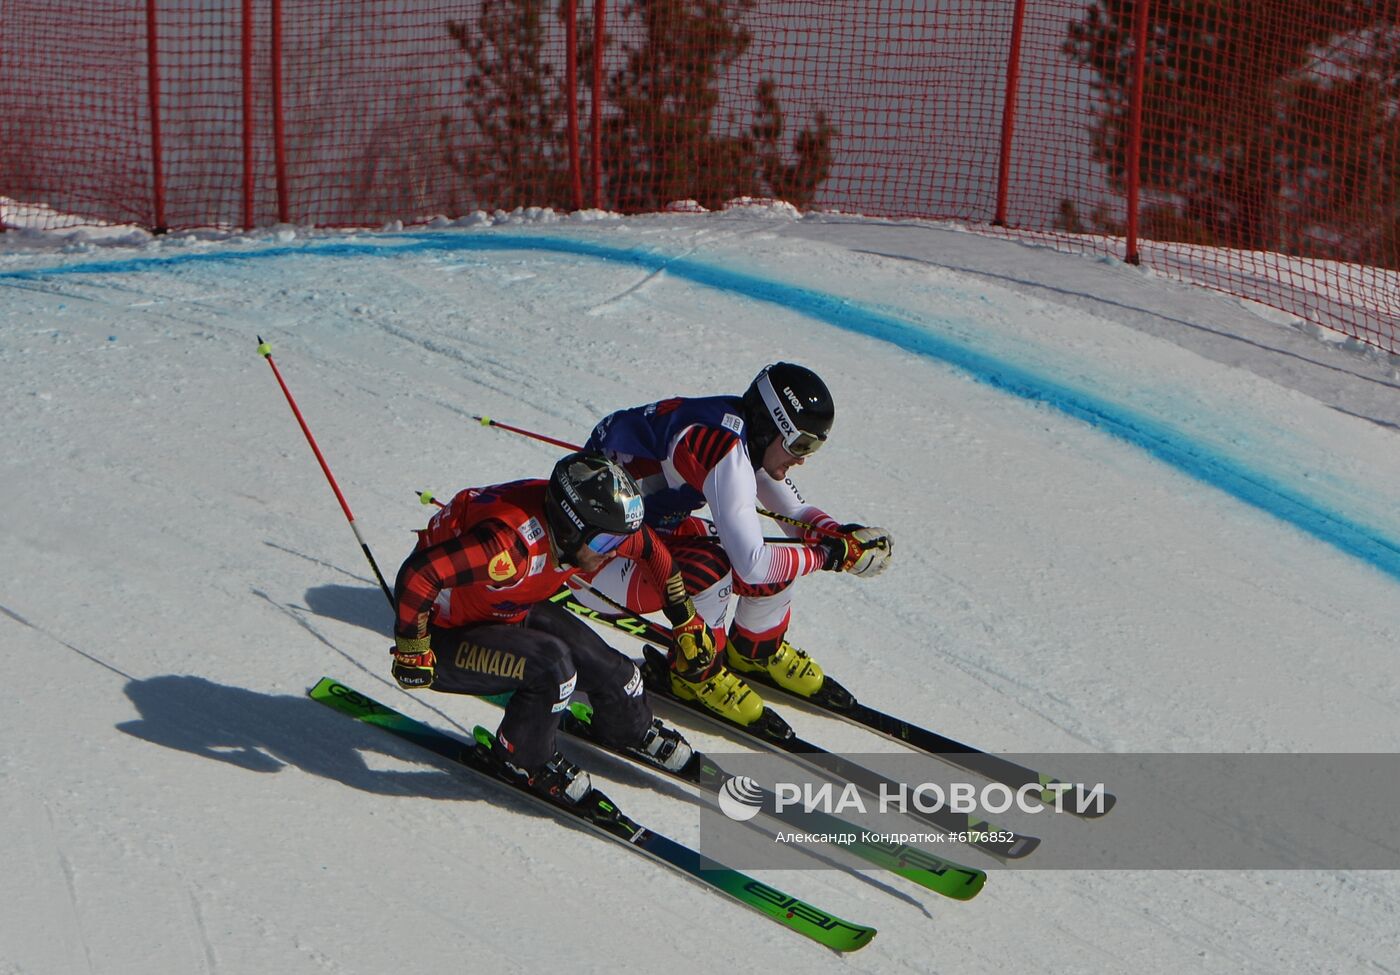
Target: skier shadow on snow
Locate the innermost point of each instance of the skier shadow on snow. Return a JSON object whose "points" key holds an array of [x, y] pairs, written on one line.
{"points": [[362, 606], [267, 732]]}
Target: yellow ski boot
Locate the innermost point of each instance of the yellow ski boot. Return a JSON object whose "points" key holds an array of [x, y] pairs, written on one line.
{"points": [[723, 693], [788, 668]]}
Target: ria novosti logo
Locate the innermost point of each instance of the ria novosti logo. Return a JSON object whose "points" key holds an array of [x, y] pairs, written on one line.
{"points": [[740, 798]]}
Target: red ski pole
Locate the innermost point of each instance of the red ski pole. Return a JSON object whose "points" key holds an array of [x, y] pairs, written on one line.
{"points": [[265, 351], [486, 421]]}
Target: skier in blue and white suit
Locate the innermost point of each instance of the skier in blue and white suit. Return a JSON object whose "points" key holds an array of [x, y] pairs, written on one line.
{"points": [[733, 454]]}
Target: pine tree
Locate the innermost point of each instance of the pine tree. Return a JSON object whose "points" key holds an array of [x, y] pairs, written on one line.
{"points": [[796, 182], [662, 139], [1260, 131], [516, 154]]}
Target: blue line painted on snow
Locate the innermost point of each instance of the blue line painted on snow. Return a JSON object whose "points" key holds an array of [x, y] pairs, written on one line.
{"points": [[1158, 439]]}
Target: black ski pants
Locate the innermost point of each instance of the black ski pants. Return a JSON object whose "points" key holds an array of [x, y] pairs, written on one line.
{"points": [[544, 659]]}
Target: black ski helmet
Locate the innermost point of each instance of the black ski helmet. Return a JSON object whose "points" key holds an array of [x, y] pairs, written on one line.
{"points": [[789, 402], [591, 501]]}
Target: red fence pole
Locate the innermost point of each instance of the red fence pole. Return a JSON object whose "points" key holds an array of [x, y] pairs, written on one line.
{"points": [[1008, 111], [248, 217], [279, 120], [571, 93], [1134, 147], [153, 100], [595, 164]]}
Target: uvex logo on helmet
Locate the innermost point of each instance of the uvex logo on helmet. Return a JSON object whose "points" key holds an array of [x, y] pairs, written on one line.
{"points": [[792, 398], [785, 427]]}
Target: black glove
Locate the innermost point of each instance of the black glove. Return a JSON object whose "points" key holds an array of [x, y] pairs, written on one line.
{"points": [[414, 662], [834, 547]]}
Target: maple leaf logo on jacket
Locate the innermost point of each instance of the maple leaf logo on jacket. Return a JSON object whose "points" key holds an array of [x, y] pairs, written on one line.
{"points": [[501, 568]]}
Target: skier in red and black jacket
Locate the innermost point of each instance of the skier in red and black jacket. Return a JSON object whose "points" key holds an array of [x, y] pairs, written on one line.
{"points": [[473, 615]]}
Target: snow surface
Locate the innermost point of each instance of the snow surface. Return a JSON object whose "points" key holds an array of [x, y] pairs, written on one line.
{"points": [[1130, 515]]}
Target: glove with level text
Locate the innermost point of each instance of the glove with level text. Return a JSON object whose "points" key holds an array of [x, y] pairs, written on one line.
{"points": [[414, 662]]}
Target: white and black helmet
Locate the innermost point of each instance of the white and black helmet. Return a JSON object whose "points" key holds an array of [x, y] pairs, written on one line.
{"points": [[787, 402], [591, 501]]}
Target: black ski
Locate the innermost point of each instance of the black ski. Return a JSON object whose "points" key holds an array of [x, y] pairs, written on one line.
{"points": [[835, 700], [773, 732], [776, 734]]}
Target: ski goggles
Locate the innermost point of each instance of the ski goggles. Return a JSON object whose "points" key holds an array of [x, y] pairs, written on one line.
{"points": [[604, 542], [802, 443]]}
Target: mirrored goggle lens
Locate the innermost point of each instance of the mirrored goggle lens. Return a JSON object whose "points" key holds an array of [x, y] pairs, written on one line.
{"points": [[803, 444], [605, 542]]}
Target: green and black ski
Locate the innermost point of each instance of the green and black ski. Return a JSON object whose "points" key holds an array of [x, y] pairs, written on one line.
{"points": [[598, 812], [928, 870]]}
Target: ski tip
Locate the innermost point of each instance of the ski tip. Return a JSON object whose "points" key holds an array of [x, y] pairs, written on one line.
{"points": [[954, 882], [977, 879], [857, 941]]}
